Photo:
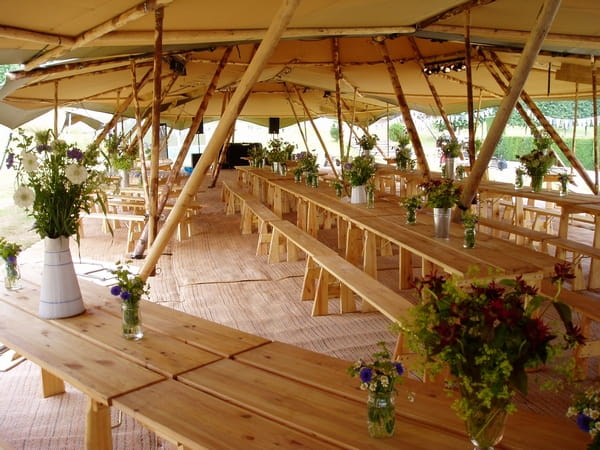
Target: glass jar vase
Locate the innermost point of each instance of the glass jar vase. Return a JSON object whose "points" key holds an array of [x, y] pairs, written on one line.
{"points": [[469, 237], [485, 427], [131, 324], [381, 414], [12, 275], [411, 216], [537, 182]]}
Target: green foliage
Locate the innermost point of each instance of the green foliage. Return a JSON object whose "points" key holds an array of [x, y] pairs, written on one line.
{"points": [[8, 249], [367, 142], [360, 170], [381, 374], [118, 153], [441, 193], [130, 288], [334, 132], [4, 69], [397, 132]]}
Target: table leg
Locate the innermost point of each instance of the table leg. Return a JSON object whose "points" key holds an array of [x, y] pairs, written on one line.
{"points": [[369, 263], [354, 245], [404, 268], [312, 220], [277, 201], [98, 435], [594, 278], [51, 384]]}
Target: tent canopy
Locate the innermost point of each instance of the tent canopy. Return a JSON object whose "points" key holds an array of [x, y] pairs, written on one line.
{"points": [[81, 55]]}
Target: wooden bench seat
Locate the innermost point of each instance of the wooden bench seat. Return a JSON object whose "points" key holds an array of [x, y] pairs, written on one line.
{"points": [[322, 263], [135, 224], [541, 218], [589, 309], [578, 250], [529, 234]]}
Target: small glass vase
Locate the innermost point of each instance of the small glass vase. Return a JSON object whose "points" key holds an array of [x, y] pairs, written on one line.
{"points": [[381, 414], [12, 274], [485, 427], [519, 182], [536, 183], [469, 240], [298, 177], [339, 190], [132, 323], [564, 188], [411, 216], [370, 198], [308, 179], [315, 180]]}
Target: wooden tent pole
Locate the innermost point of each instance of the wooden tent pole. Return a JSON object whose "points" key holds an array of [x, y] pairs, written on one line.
{"points": [[337, 70], [119, 112], [312, 122], [549, 129], [595, 103], [351, 124], [432, 88], [293, 108], [526, 62], [220, 158], [142, 242], [265, 50], [56, 109], [156, 101], [405, 110], [575, 117], [470, 108], [140, 136]]}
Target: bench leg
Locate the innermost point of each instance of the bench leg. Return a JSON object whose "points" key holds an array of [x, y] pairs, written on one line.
{"points": [[274, 254], [405, 275], [246, 222], [291, 252], [310, 276], [264, 238], [321, 303], [98, 435], [347, 303], [51, 384]]}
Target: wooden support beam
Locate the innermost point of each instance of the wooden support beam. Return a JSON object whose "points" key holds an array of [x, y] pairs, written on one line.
{"points": [[251, 75], [155, 153], [293, 108], [140, 136], [337, 70], [470, 109], [548, 127], [316, 130], [538, 33], [432, 88], [595, 99], [92, 34], [23, 34], [405, 110]]}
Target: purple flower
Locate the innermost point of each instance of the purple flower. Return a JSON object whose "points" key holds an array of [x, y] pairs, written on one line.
{"points": [[42, 147], [115, 290], [75, 153], [399, 368], [583, 422], [125, 295], [10, 160], [12, 259], [347, 166], [366, 374]]}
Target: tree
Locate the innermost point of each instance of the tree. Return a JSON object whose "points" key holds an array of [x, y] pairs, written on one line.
{"points": [[396, 131], [4, 68], [334, 132]]}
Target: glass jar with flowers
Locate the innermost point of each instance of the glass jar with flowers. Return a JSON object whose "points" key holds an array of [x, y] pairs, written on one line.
{"points": [[339, 188], [487, 333], [538, 162], [256, 153], [412, 204], [519, 172], [56, 182], [307, 162], [367, 142], [586, 410], [130, 289], [9, 252], [370, 186], [564, 179], [441, 195], [359, 172], [379, 378], [120, 155], [469, 221], [403, 153]]}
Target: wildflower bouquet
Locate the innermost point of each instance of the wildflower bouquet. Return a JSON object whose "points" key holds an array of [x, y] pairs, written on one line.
{"points": [[487, 334], [403, 160], [469, 219], [441, 193], [279, 150], [9, 250], [367, 142], [307, 162], [540, 159], [448, 146], [55, 182], [119, 154], [257, 154], [586, 409], [360, 170], [129, 288]]}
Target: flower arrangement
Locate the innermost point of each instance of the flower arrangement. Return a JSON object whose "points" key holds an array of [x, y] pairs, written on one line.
{"points": [[360, 170], [119, 154], [307, 162], [129, 288], [257, 153], [540, 159], [381, 374], [279, 150], [449, 147], [367, 142], [586, 410], [403, 160], [469, 219], [9, 250], [55, 182], [414, 202], [487, 333], [441, 193]]}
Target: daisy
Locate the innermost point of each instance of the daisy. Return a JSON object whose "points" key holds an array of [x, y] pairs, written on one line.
{"points": [[24, 197], [76, 174]]}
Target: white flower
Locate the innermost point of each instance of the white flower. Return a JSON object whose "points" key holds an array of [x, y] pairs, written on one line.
{"points": [[24, 197], [594, 414], [384, 380], [29, 161], [76, 174], [572, 411]]}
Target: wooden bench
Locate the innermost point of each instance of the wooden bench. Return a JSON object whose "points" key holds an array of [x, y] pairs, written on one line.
{"points": [[528, 234], [589, 309], [578, 251], [252, 212], [135, 224], [322, 263], [541, 218]]}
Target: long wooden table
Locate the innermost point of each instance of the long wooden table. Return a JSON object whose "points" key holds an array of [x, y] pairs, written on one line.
{"points": [[204, 385]]}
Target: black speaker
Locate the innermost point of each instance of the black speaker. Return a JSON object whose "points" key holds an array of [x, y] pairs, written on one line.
{"points": [[273, 125], [235, 154], [195, 158]]}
